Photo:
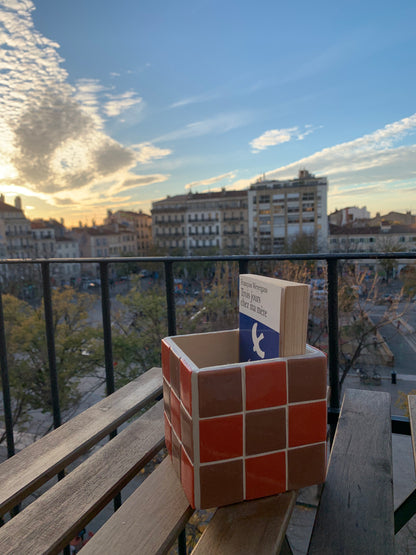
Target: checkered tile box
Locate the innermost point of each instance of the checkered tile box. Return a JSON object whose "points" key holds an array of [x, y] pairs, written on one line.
{"points": [[239, 431]]}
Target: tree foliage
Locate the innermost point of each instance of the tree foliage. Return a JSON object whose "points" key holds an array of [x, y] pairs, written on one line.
{"points": [[78, 349]]}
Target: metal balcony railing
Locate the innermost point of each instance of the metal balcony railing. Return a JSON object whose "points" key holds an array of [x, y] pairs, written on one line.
{"points": [[399, 424]]}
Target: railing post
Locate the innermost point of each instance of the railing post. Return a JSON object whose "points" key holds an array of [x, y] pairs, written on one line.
{"points": [[50, 340], [243, 266], [108, 347], [170, 297], [333, 354], [106, 315], [7, 406]]}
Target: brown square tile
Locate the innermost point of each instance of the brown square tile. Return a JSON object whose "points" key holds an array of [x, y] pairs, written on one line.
{"points": [[176, 454], [265, 431], [186, 433], [307, 379], [306, 466], [166, 398], [174, 367], [221, 484], [168, 435], [220, 392]]}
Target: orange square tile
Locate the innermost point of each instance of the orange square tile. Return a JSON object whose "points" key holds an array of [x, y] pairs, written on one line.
{"points": [[186, 386], [187, 433], [165, 360], [265, 475], [175, 411], [265, 385], [307, 423], [174, 362], [187, 478], [166, 397], [168, 436], [176, 454], [221, 438], [306, 466]]}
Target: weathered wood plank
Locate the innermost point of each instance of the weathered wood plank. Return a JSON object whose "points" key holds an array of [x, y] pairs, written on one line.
{"points": [[356, 513], [150, 519], [51, 521], [36, 464], [412, 414], [257, 526]]}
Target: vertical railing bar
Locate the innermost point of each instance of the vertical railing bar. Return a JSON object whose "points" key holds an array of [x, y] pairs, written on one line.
{"points": [[243, 266], [333, 353], [50, 340], [108, 347], [182, 543], [106, 316], [170, 297], [7, 405]]}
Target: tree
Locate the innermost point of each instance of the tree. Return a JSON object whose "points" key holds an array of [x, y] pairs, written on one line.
{"points": [[78, 348]]}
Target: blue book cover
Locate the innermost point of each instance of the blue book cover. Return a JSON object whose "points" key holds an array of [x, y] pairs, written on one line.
{"points": [[259, 320]]}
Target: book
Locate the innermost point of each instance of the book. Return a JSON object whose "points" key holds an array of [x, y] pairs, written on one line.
{"points": [[273, 317]]}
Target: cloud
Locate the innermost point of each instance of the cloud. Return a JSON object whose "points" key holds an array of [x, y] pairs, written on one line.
{"points": [[122, 102], [142, 180], [278, 136], [197, 99], [222, 123], [211, 180], [146, 152], [52, 136], [367, 159]]}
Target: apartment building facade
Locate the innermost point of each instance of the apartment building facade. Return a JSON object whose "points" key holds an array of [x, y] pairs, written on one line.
{"points": [[279, 211], [139, 222], [201, 222]]}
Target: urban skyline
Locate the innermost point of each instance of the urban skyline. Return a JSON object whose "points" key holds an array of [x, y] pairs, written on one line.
{"points": [[115, 106]]}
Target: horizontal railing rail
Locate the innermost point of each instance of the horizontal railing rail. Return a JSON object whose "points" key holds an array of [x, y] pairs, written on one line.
{"points": [[400, 425]]}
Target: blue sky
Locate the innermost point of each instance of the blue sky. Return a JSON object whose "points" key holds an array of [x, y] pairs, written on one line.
{"points": [[112, 105]]}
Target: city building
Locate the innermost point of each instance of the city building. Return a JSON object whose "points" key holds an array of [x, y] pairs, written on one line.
{"points": [[139, 222], [68, 273], [282, 211], [202, 222], [348, 215], [43, 239]]}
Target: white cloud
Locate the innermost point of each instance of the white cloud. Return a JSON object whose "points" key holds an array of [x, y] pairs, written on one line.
{"points": [[211, 180], [52, 137], [120, 103], [368, 159], [278, 136], [146, 152], [222, 123]]}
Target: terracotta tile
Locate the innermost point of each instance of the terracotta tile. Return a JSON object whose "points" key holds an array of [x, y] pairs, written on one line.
{"points": [[174, 364], [306, 466], [265, 431], [307, 379], [265, 385], [186, 385], [175, 406], [186, 433], [220, 392], [168, 436], [166, 397], [165, 360], [221, 438], [307, 423], [221, 484], [187, 478], [265, 475], [176, 454]]}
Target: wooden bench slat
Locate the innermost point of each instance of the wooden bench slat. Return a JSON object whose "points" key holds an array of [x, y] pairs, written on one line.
{"points": [[50, 522], [355, 514], [412, 415], [160, 510], [257, 526], [35, 465]]}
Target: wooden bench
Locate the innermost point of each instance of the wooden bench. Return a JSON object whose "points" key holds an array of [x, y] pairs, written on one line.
{"points": [[356, 507]]}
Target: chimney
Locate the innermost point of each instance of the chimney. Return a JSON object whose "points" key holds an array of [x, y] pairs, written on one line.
{"points": [[18, 203]]}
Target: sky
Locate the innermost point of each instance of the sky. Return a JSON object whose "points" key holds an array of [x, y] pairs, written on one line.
{"points": [[116, 104]]}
